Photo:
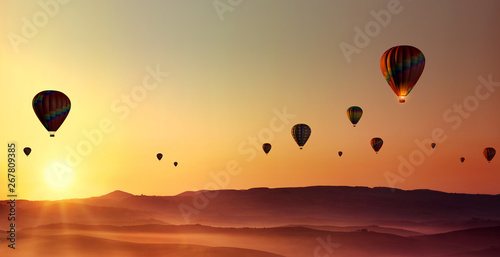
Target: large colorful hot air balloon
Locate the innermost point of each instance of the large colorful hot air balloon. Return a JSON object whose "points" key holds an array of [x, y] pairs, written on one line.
{"points": [[433, 145], [340, 153], [159, 156], [489, 153], [266, 147], [27, 151], [376, 143], [301, 133], [462, 159], [175, 164], [402, 67], [354, 113], [51, 107]]}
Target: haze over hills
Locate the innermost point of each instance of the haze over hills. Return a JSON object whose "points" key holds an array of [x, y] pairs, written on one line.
{"points": [[283, 241]]}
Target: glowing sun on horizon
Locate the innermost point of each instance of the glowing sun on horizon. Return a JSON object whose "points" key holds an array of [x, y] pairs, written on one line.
{"points": [[58, 175]]}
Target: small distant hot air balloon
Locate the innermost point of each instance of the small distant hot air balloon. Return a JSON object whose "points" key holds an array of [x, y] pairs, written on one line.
{"points": [[51, 107], [462, 159], [402, 67], [27, 151], [266, 147], [489, 153], [159, 156], [433, 145], [340, 153], [376, 143], [175, 164], [354, 113], [301, 133]]}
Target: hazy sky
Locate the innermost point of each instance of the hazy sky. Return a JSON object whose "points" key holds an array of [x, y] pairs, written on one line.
{"points": [[202, 81]]}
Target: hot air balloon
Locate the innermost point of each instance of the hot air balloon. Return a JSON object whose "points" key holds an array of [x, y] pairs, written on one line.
{"points": [[462, 159], [27, 151], [159, 156], [340, 153], [266, 147], [354, 113], [301, 133], [402, 67], [51, 107], [175, 164], [376, 143], [489, 153], [433, 145]]}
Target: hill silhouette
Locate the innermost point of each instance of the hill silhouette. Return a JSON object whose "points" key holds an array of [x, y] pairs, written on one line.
{"points": [[422, 211]]}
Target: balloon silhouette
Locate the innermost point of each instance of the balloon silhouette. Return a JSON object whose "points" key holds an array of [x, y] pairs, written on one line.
{"points": [[433, 145], [27, 151], [301, 133], [266, 147], [51, 107], [462, 159], [340, 153], [354, 113], [489, 153], [175, 164], [376, 144], [159, 156], [402, 67]]}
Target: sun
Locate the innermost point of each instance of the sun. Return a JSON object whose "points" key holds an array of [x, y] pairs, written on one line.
{"points": [[59, 176]]}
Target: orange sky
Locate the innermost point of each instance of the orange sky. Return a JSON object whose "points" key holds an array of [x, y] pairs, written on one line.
{"points": [[218, 78]]}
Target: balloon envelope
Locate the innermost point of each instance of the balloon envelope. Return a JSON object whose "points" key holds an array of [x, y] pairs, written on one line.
{"points": [[376, 144], [340, 153], [159, 156], [27, 151], [175, 164], [266, 147], [301, 133], [354, 113], [489, 153], [51, 107], [402, 67]]}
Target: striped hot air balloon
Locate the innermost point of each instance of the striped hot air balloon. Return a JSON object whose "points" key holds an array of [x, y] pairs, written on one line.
{"points": [[489, 153], [402, 67], [354, 113], [376, 144], [266, 147], [51, 107], [301, 133]]}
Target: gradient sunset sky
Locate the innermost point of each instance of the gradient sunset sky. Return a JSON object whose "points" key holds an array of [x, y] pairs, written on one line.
{"points": [[228, 75]]}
